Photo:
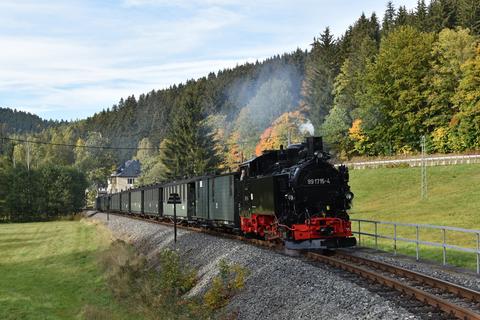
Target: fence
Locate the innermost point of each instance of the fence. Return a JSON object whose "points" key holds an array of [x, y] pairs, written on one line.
{"points": [[415, 162], [372, 225]]}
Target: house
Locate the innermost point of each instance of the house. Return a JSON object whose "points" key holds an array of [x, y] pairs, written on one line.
{"points": [[124, 177]]}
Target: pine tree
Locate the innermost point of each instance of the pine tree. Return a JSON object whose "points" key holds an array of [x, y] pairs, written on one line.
{"points": [[469, 15], [435, 16], [389, 18], [402, 16], [421, 13], [321, 69], [189, 149], [450, 13]]}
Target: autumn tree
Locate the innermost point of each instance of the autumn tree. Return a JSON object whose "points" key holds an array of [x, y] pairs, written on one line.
{"points": [[466, 122], [288, 128], [452, 49], [393, 106]]}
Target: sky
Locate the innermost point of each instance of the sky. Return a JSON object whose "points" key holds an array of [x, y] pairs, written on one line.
{"points": [[67, 59]]}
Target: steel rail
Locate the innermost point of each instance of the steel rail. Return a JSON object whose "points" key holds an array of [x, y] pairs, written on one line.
{"points": [[421, 295], [458, 290]]}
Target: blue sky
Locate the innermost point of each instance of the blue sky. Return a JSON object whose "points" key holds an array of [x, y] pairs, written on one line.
{"points": [[67, 59]]}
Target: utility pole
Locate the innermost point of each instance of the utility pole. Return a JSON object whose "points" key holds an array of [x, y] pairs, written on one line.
{"points": [[424, 188], [28, 156]]}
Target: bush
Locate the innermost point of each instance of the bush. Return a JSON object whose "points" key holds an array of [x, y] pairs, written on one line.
{"points": [[158, 292], [229, 281]]}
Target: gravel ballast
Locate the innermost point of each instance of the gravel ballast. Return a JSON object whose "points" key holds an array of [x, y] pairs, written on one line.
{"points": [[277, 286], [466, 278]]}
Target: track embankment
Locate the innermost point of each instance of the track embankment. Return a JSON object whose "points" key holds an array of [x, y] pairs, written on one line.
{"points": [[277, 287]]}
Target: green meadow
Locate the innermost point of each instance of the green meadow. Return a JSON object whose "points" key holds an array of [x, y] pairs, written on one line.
{"points": [[49, 270], [393, 194]]}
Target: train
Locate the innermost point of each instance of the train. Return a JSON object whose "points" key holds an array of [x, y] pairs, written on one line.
{"points": [[293, 194]]}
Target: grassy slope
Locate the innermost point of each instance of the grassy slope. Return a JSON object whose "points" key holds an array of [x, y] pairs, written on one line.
{"points": [[49, 271], [393, 194]]}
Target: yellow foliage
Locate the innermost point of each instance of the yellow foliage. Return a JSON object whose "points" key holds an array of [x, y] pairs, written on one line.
{"points": [[233, 156], [355, 132]]}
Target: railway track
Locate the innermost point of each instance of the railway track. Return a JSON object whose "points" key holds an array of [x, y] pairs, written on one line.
{"points": [[452, 299]]}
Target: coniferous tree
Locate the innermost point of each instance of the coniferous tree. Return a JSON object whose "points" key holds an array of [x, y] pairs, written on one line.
{"points": [[322, 67], [469, 15], [189, 149], [402, 16], [389, 18], [421, 13], [450, 13]]}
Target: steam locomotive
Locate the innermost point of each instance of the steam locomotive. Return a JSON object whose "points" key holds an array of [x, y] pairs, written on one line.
{"points": [[293, 194]]}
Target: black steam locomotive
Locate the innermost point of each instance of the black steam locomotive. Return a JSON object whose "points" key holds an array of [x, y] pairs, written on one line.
{"points": [[292, 194]]}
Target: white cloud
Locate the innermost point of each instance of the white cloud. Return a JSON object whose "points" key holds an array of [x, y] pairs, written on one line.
{"points": [[82, 56]]}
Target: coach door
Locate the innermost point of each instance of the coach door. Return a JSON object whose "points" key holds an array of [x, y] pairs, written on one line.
{"points": [[191, 199]]}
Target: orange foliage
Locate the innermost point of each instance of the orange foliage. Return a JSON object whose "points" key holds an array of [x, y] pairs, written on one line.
{"points": [[277, 134], [267, 141]]}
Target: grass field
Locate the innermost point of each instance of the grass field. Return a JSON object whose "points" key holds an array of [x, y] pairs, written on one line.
{"points": [[49, 270], [393, 194]]}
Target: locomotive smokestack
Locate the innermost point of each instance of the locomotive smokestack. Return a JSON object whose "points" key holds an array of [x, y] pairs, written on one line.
{"points": [[314, 144]]}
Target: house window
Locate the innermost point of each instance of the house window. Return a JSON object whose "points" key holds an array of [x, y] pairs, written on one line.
{"points": [[130, 180]]}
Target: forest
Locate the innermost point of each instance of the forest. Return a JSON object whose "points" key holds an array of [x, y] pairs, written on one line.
{"points": [[374, 90]]}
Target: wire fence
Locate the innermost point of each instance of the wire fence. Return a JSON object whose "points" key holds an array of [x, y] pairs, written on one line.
{"points": [[439, 238], [416, 162]]}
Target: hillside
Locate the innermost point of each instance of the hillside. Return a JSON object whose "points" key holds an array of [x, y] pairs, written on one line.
{"points": [[19, 122], [393, 194], [353, 89]]}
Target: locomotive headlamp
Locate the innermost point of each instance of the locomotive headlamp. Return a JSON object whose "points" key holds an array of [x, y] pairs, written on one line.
{"points": [[348, 196], [290, 196]]}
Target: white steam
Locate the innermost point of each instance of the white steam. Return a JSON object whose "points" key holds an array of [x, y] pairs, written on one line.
{"points": [[307, 128]]}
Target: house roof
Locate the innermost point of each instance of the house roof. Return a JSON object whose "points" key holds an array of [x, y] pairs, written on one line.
{"points": [[131, 168]]}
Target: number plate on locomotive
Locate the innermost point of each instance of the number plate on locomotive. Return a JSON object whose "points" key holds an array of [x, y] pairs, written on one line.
{"points": [[318, 181]]}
